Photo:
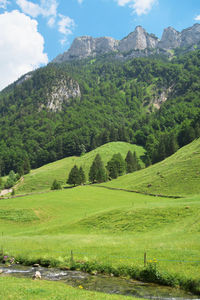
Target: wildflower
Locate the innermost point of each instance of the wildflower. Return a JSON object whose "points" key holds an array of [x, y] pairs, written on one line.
{"points": [[80, 287]]}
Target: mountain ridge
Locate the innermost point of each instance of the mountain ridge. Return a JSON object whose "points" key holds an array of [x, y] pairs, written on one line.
{"points": [[137, 41]]}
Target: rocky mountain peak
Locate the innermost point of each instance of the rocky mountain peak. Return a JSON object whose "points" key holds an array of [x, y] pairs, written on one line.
{"points": [[171, 39], [138, 43], [139, 39], [86, 46], [190, 36]]}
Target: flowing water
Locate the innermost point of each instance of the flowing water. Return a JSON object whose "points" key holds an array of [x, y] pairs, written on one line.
{"points": [[101, 283]]}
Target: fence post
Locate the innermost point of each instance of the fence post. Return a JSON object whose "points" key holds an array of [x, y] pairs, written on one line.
{"points": [[72, 257], [2, 244], [145, 259]]}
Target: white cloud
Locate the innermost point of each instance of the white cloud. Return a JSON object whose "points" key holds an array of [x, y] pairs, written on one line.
{"points": [[21, 46], [46, 8], [65, 26], [80, 1], [197, 18], [3, 3], [139, 7]]}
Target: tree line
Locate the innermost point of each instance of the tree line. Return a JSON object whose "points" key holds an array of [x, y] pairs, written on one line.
{"points": [[115, 167]]}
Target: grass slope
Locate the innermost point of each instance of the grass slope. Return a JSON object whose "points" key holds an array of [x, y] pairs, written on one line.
{"points": [[111, 227], [178, 175], [42, 178], [27, 289]]}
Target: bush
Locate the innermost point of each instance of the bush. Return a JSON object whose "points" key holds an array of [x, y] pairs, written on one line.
{"points": [[56, 185]]}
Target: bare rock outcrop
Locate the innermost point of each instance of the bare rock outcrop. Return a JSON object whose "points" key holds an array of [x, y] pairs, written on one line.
{"points": [[85, 46], [138, 43], [170, 39], [61, 92], [139, 39]]}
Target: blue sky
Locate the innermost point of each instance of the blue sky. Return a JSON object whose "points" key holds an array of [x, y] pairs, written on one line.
{"points": [[34, 32]]}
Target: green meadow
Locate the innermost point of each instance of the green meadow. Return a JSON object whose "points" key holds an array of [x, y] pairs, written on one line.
{"points": [[178, 175], [27, 289], [109, 227], [41, 179], [110, 230]]}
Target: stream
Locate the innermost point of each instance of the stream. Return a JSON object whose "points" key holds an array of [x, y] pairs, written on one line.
{"points": [[100, 283]]}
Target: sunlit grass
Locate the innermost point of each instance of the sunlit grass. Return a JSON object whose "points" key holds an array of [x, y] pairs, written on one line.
{"points": [[112, 227], [178, 175], [41, 179]]}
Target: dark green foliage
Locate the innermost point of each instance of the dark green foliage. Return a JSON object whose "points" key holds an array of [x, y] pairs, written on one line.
{"points": [[13, 192], [1, 183], [74, 176], [116, 166], [129, 162], [56, 185], [97, 171], [82, 176], [12, 179], [112, 169], [136, 164], [115, 105]]}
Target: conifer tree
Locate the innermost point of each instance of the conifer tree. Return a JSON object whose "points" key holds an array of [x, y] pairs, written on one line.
{"points": [[74, 176], [82, 176], [129, 162], [136, 162], [97, 171], [116, 166]]}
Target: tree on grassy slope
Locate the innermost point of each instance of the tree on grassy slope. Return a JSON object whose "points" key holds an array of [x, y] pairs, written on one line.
{"points": [[56, 185], [129, 162], [82, 176], [97, 171], [74, 176], [116, 166]]}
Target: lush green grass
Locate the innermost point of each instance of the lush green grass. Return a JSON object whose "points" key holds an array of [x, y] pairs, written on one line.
{"points": [[178, 175], [111, 227], [27, 289], [41, 179]]}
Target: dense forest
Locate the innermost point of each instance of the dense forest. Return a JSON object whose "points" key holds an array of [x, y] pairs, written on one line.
{"points": [[120, 101]]}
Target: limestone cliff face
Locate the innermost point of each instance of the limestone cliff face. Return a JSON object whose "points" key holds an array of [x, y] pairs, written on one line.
{"points": [[139, 39], [170, 39], [139, 42], [190, 36], [85, 46], [62, 91]]}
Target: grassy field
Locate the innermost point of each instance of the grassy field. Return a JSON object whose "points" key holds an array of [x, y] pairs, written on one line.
{"points": [[178, 175], [41, 179], [113, 228], [27, 289]]}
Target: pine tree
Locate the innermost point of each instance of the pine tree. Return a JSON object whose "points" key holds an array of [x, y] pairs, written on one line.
{"points": [[129, 162], [74, 176], [112, 169], [120, 163], [116, 166], [97, 171], [136, 165], [82, 176]]}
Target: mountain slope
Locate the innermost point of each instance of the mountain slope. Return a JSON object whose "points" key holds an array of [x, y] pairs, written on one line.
{"points": [[41, 179], [178, 175], [63, 109]]}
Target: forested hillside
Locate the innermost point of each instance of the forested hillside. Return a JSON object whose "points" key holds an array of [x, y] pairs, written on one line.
{"points": [[151, 102]]}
